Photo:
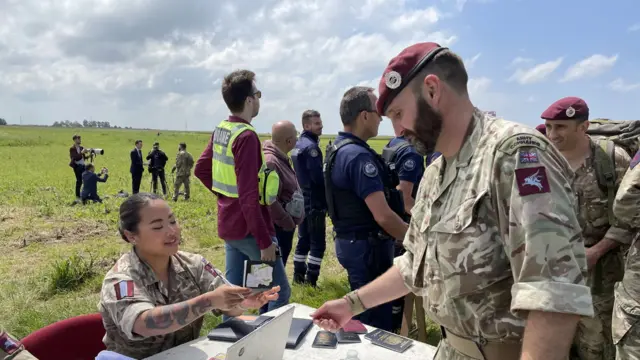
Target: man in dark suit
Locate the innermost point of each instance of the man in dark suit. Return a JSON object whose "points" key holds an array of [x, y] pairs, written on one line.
{"points": [[76, 154], [137, 166], [157, 161]]}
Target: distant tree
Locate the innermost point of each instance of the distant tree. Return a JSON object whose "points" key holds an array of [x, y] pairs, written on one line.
{"points": [[85, 123], [3, 121]]}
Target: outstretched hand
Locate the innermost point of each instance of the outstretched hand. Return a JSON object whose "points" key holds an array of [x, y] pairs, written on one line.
{"points": [[256, 301], [332, 315]]}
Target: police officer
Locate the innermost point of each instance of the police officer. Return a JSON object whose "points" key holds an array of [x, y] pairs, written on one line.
{"points": [[307, 162], [157, 160], [408, 165], [363, 202], [12, 349]]}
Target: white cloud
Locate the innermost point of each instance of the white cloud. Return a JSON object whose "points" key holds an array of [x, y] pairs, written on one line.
{"points": [[478, 86], [470, 63], [590, 67], [159, 63], [634, 27], [537, 73], [620, 85], [520, 60]]}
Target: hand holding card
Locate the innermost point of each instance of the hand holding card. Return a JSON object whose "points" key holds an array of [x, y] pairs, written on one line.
{"points": [[258, 276]]}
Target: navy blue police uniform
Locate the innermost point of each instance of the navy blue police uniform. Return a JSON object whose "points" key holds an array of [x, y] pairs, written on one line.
{"points": [[409, 165], [307, 162], [431, 158], [352, 172]]}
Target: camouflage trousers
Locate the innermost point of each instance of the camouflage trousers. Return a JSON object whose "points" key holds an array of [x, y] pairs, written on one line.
{"points": [[182, 180], [593, 339], [626, 325]]}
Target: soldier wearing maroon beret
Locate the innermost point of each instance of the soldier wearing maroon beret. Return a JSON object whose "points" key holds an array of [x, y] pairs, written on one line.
{"points": [[567, 123], [542, 128], [494, 245]]}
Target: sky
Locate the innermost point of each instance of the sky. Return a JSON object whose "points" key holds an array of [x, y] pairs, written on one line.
{"points": [[158, 63]]}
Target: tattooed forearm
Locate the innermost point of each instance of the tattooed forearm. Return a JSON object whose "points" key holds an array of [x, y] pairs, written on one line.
{"points": [[167, 319]]}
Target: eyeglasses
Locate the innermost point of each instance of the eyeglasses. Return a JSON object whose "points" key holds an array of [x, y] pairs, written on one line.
{"points": [[257, 94]]}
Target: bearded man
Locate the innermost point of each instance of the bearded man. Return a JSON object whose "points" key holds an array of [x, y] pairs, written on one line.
{"points": [[494, 244]]}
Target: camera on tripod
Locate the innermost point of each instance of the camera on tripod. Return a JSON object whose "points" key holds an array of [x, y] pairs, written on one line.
{"points": [[93, 152]]}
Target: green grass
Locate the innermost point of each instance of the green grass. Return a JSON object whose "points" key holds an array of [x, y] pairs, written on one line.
{"points": [[55, 255]]}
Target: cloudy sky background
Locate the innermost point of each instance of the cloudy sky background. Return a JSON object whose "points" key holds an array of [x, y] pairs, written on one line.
{"points": [[158, 63]]}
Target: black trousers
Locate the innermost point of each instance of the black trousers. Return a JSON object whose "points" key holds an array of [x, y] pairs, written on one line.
{"points": [[93, 197], [77, 171], [155, 174], [285, 240], [136, 178]]}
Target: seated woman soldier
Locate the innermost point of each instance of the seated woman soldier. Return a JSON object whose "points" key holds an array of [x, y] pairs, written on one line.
{"points": [[155, 296]]}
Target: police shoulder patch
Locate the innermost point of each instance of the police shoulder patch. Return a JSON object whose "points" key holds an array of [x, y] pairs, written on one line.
{"points": [[409, 165], [370, 169], [515, 142], [635, 160], [313, 152], [124, 289]]}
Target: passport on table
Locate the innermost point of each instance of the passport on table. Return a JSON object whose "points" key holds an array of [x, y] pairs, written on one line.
{"points": [[355, 326], [236, 328], [345, 337], [325, 340], [389, 340]]}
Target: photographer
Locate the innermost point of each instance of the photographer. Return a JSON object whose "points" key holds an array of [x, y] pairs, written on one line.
{"points": [[90, 183], [77, 156], [157, 160]]}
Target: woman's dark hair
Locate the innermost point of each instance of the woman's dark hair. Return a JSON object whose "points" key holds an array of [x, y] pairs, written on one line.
{"points": [[130, 212]]}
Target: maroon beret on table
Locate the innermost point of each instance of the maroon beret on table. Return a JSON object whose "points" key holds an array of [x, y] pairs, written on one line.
{"points": [[542, 128], [402, 69], [568, 108]]}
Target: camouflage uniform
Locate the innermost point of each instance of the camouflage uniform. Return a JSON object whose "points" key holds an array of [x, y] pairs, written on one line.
{"points": [[131, 287], [184, 163], [494, 234], [593, 336], [626, 309], [12, 349]]}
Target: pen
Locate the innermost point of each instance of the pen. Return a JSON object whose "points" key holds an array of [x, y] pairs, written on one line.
{"points": [[224, 280]]}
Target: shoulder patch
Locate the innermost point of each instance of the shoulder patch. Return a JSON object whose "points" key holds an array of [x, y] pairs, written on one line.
{"points": [[532, 181], [510, 145], [8, 344], [635, 160], [209, 268], [313, 153], [528, 157], [409, 165], [370, 169], [124, 289]]}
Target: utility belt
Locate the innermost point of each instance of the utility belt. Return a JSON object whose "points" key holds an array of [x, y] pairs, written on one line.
{"points": [[482, 349], [364, 235]]}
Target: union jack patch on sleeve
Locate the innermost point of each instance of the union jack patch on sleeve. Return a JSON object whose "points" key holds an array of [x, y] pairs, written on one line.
{"points": [[124, 289], [528, 157], [635, 160]]}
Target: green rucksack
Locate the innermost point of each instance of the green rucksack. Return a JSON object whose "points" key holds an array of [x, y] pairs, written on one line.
{"points": [[607, 133]]}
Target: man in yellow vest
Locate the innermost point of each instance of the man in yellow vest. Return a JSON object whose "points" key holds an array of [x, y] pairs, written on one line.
{"points": [[233, 167]]}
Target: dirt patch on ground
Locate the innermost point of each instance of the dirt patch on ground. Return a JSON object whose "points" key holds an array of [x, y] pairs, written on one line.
{"points": [[19, 228]]}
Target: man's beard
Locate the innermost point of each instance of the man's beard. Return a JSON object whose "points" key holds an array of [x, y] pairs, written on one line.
{"points": [[427, 128]]}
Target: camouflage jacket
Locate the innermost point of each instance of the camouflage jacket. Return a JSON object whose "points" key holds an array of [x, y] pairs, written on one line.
{"points": [[131, 288], [494, 230], [594, 217], [184, 163]]}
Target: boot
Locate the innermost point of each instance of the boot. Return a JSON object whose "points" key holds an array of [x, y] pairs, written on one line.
{"points": [[298, 279]]}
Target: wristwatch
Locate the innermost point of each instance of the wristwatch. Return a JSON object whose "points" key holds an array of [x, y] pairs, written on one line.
{"points": [[355, 304]]}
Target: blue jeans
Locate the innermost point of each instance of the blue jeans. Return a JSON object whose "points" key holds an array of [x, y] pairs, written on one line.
{"points": [[237, 251]]}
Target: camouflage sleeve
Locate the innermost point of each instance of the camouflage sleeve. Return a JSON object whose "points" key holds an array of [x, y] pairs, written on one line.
{"points": [[538, 222], [125, 299], [627, 201], [619, 231], [410, 263], [208, 276], [179, 160]]}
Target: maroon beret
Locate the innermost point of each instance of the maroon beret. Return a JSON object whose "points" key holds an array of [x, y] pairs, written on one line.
{"points": [[542, 128], [401, 69], [568, 108]]}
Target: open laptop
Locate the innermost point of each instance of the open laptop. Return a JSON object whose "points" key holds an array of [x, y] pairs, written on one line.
{"points": [[267, 342]]}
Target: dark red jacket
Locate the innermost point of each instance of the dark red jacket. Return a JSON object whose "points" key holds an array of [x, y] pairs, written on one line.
{"points": [[280, 162], [75, 155]]}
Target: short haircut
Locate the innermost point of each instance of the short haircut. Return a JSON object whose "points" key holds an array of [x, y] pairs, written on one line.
{"points": [[236, 88], [183, 145], [447, 66], [75, 136], [354, 101], [89, 167], [308, 114], [138, 142]]}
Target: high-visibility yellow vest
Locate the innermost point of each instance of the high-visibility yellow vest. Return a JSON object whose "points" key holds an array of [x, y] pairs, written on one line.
{"points": [[223, 165]]}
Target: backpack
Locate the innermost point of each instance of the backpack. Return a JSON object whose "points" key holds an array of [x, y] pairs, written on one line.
{"points": [[607, 133]]}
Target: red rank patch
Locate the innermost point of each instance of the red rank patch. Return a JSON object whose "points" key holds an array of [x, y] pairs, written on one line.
{"points": [[124, 289], [209, 268], [532, 181], [8, 344]]}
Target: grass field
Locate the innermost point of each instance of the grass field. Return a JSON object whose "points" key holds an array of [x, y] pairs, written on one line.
{"points": [[55, 255]]}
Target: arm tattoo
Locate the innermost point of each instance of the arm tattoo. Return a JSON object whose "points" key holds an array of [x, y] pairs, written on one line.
{"points": [[201, 307], [159, 318], [181, 313]]}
